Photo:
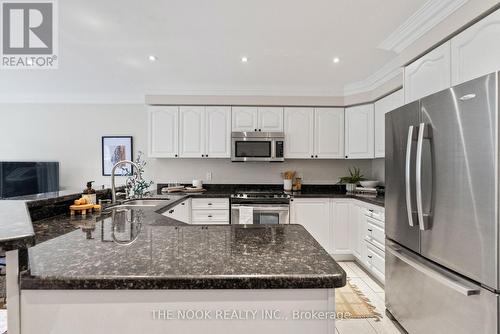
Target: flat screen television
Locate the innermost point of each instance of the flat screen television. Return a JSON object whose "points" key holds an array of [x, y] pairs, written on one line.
{"points": [[27, 178]]}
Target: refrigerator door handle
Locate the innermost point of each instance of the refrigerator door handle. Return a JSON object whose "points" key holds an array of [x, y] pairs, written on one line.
{"points": [[409, 209], [422, 218], [440, 276]]}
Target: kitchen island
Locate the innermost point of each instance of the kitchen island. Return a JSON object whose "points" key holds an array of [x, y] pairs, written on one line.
{"points": [[134, 270]]}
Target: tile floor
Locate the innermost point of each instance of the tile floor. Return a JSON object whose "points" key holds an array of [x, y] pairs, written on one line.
{"points": [[375, 293], [370, 288]]}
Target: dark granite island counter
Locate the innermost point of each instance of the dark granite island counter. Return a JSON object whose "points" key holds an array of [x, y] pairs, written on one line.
{"points": [[137, 270]]}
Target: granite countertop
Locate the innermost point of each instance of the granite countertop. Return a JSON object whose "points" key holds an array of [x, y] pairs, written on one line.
{"points": [[142, 249], [16, 230]]}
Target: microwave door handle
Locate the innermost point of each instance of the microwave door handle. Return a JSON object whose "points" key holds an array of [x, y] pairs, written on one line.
{"points": [[422, 218], [409, 209]]}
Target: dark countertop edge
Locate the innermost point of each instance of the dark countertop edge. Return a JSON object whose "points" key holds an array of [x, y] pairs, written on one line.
{"points": [[22, 237], [188, 283]]}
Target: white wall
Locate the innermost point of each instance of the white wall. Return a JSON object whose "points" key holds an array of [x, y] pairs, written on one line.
{"points": [[378, 169], [71, 134]]}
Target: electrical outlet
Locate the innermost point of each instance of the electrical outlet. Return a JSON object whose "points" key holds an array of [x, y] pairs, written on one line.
{"points": [[209, 176]]}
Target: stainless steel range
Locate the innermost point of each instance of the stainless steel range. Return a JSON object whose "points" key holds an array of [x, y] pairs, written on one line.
{"points": [[260, 207]]}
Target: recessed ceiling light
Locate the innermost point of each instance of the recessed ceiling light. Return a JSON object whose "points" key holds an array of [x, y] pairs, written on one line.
{"points": [[244, 59], [336, 60], [152, 58]]}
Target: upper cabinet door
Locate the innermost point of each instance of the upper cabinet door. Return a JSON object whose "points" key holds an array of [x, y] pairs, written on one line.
{"points": [[299, 133], [359, 132], [218, 132], [245, 119], [476, 51], [428, 74], [270, 119], [192, 132], [163, 132], [383, 106], [329, 133]]}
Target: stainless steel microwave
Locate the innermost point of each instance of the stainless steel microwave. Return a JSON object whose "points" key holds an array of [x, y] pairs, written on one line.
{"points": [[257, 146]]}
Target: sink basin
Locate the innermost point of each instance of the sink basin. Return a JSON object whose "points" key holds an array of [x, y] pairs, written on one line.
{"points": [[146, 202]]}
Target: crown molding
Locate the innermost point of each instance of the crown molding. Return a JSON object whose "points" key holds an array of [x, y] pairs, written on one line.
{"points": [[386, 73], [427, 17]]}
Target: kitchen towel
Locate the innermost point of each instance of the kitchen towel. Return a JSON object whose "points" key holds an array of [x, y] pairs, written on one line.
{"points": [[246, 215]]}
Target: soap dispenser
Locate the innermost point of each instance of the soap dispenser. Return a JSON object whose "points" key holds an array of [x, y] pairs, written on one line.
{"points": [[90, 194]]}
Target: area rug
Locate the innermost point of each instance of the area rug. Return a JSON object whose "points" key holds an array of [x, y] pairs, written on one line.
{"points": [[351, 303]]}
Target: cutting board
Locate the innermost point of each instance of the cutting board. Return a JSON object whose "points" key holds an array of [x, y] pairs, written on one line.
{"points": [[83, 209]]}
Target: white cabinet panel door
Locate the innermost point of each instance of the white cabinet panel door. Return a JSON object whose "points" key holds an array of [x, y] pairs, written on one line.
{"points": [[476, 51], [299, 133], [270, 119], [428, 74], [329, 133], [218, 132], [341, 236], [245, 118], [163, 132], [192, 132], [354, 232], [359, 132], [383, 106], [314, 215]]}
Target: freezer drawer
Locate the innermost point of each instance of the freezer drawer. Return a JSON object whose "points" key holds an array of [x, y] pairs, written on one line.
{"points": [[424, 298]]}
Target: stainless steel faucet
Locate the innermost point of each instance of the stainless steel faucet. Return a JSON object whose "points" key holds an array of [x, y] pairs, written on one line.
{"points": [[122, 162]]}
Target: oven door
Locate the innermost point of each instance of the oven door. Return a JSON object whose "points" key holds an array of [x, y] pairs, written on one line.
{"points": [[262, 214], [252, 149]]}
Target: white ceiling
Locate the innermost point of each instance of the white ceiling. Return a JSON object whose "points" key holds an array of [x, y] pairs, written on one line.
{"points": [[290, 44]]}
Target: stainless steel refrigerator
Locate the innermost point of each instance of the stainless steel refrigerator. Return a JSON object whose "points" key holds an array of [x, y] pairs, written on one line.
{"points": [[442, 202]]}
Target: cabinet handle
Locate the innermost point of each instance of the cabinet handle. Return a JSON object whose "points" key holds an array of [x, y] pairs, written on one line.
{"points": [[370, 230], [202, 155], [254, 129], [346, 157], [176, 155], [312, 156], [206, 155], [371, 210], [171, 211], [209, 204], [209, 216], [369, 256], [183, 203], [315, 156], [260, 129]]}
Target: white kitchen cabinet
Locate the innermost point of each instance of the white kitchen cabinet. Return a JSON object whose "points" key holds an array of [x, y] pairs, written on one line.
{"points": [[359, 137], [375, 261], [329, 133], [383, 106], [209, 211], [180, 212], [244, 119], [270, 119], [341, 224], [299, 133], [218, 132], [192, 132], [163, 127], [355, 235], [428, 74], [205, 132], [314, 215], [476, 50]]}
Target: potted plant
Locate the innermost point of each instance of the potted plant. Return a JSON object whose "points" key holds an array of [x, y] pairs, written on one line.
{"points": [[353, 179]]}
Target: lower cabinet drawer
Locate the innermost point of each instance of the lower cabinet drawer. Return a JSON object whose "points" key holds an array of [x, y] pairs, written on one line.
{"points": [[213, 222], [210, 204], [375, 261], [209, 216], [375, 233]]}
